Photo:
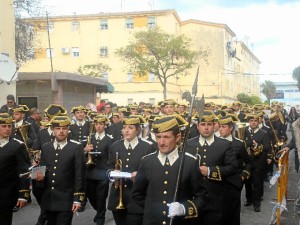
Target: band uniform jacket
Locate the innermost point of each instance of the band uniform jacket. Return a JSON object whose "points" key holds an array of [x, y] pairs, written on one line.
{"points": [[242, 117], [14, 161], [151, 137], [130, 163], [44, 137], [154, 187], [262, 139], [116, 131], [32, 136], [5, 109], [98, 170], [244, 163], [221, 160], [271, 139], [80, 133], [64, 178], [34, 124], [193, 132]]}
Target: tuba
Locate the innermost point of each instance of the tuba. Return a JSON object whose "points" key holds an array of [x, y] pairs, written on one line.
{"points": [[89, 142], [118, 182]]}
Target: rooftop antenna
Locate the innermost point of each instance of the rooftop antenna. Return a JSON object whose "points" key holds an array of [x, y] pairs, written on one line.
{"points": [[151, 4]]}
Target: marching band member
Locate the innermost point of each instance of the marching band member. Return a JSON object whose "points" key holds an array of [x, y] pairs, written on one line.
{"points": [[258, 146], [65, 173], [153, 189], [14, 160], [217, 162], [97, 182], [125, 156], [235, 182]]}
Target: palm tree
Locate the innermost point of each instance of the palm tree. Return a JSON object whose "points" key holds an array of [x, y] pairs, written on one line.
{"points": [[269, 89]]}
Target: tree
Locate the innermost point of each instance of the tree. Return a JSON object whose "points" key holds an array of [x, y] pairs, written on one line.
{"points": [[244, 98], [162, 54], [24, 31], [296, 76], [255, 99], [94, 70], [269, 89]]}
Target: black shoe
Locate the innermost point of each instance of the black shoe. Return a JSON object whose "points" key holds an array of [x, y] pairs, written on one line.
{"points": [[256, 208], [247, 203], [16, 209], [81, 209]]}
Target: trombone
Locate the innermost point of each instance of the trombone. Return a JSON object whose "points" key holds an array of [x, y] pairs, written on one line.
{"points": [[89, 142]]}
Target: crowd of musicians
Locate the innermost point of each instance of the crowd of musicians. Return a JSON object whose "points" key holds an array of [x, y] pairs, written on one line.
{"points": [[227, 147]]}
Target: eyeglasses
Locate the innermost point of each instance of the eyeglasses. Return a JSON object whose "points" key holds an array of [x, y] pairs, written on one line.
{"points": [[9, 102]]}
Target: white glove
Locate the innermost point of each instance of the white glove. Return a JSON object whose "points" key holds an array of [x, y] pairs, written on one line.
{"points": [[176, 209]]}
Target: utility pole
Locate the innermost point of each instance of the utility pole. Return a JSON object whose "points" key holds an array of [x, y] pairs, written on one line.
{"points": [[49, 43]]}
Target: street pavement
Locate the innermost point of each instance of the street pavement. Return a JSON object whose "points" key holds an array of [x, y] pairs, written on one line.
{"points": [[29, 214]]}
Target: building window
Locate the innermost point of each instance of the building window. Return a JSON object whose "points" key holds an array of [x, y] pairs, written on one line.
{"points": [[152, 101], [151, 22], [129, 101], [103, 24], [50, 52], [104, 76], [50, 26], [129, 23], [75, 52], [75, 25], [103, 51], [129, 76], [151, 77]]}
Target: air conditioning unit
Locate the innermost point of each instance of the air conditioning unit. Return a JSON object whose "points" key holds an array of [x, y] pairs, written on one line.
{"points": [[65, 50]]}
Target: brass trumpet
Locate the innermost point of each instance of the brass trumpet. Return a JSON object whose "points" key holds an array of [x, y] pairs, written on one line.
{"points": [[118, 183], [89, 142]]}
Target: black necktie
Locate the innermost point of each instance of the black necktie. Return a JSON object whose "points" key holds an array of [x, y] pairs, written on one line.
{"points": [[167, 162], [58, 147], [205, 143], [129, 147]]}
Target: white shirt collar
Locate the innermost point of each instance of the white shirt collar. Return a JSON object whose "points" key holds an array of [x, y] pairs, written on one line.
{"points": [[153, 136], [4, 141], [209, 140], [217, 133], [133, 143], [61, 144], [172, 156], [100, 135], [18, 124], [80, 122], [50, 132], [229, 138], [254, 131]]}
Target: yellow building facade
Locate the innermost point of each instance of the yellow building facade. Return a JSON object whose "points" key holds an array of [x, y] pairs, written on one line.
{"points": [[90, 39], [7, 43]]}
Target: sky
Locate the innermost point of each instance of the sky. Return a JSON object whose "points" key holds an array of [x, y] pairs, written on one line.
{"points": [[268, 28]]}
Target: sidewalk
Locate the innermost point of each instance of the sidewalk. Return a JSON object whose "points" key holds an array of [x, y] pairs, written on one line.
{"points": [[249, 217]]}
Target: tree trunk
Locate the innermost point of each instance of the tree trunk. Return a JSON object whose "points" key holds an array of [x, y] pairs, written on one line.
{"points": [[165, 89]]}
